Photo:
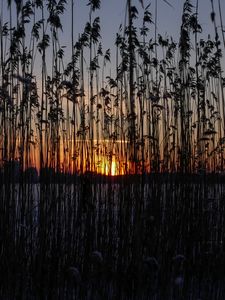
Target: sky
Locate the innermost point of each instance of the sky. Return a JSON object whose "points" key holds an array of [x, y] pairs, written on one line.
{"points": [[112, 14]]}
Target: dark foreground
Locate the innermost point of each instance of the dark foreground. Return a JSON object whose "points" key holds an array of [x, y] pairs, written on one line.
{"points": [[127, 239]]}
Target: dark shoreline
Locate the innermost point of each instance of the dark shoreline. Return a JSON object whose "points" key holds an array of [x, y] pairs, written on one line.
{"points": [[62, 178]]}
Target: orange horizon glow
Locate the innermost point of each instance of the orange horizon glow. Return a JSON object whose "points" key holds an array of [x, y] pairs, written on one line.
{"points": [[108, 159], [109, 168]]}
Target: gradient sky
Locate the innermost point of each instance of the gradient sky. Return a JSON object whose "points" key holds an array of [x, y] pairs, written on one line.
{"points": [[113, 11], [112, 14]]}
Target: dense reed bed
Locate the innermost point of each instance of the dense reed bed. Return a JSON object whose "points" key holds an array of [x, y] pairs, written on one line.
{"points": [[111, 160], [158, 106]]}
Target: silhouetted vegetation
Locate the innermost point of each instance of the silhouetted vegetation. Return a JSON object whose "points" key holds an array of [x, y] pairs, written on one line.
{"points": [[111, 172]]}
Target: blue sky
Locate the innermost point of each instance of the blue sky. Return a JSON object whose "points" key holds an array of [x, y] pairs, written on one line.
{"points": [[112, 14], [113, 11]]}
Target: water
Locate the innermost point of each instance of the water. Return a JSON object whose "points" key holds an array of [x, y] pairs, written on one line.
{"points": [[140, 232]]}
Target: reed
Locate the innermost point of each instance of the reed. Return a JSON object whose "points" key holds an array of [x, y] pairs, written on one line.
{"points": [[111, 167]]}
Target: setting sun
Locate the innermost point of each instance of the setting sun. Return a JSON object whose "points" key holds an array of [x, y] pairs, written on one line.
{"points": [[108, 168], [113, 168]]}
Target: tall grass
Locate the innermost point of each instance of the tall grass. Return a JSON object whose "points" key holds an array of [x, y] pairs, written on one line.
{"points": [[66, 119], [161, 111]]}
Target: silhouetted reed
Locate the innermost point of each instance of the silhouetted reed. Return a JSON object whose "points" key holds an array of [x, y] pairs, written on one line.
{"points": [[111, 178]]}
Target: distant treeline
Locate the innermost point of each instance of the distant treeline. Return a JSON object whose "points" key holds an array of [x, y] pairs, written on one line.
{"points": [[12, 173]]}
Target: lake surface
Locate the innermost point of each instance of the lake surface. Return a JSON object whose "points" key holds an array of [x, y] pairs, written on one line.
{"points": [[113, 240]]}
